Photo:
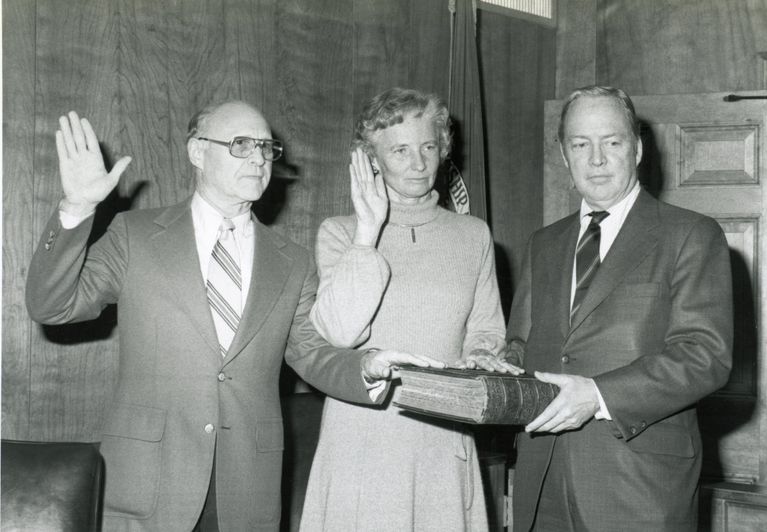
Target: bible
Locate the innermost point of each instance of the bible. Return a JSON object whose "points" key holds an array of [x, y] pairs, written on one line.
{"points": [[474, 396]]}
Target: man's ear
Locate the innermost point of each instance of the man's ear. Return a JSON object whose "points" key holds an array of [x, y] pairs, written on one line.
{"points": [[639, 151], [195, 150], [562, 153]]}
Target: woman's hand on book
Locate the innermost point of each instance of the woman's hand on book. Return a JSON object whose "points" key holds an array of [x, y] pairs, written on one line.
{"points": [[484, 359], [383, 364]]}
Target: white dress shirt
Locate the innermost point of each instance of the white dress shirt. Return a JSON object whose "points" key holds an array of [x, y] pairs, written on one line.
{"points": [[206, 220], [609, 229]]}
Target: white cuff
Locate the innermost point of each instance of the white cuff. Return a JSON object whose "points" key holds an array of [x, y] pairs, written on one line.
{"points": [[602, 413], [69, 221]]}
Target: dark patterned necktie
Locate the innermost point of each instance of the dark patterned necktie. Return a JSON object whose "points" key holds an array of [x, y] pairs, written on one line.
{"points": [[225, 285], [587, 259]]}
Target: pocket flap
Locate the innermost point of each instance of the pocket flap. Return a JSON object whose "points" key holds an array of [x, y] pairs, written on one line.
{"points": [[664, 439], [136, 422]]}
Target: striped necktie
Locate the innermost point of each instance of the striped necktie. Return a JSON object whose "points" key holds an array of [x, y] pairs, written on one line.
{"points": [[225, 285], [587, 259]]}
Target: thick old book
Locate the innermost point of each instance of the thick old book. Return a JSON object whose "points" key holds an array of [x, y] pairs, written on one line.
{"points": [[474, 396]]}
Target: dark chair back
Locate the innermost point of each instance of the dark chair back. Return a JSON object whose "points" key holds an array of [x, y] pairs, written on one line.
{"points": [[55, 487]]}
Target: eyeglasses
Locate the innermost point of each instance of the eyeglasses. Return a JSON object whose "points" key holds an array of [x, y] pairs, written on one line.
{"points": [[242, 147]]}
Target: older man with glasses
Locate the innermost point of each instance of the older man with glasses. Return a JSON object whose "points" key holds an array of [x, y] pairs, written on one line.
{"points": [[209, 302]]}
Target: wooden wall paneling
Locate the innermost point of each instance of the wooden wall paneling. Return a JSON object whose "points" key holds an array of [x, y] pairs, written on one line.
{"points": [[143, 58], [576, 45], [682, 46], [251, 29], [518, 75], [71, 366], [18, 221], [313, 48], [429, 48], [201, 68]]}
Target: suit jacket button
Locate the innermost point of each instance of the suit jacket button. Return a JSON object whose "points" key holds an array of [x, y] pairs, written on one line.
{"points": [[633, 429], [209, 428], [565, 359], [221, 377]]}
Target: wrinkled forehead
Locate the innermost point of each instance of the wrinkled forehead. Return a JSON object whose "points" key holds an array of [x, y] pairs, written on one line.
{"points": [[237, 119]]}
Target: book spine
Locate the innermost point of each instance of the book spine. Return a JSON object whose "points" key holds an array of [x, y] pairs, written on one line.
{"points": [[516, 401]]}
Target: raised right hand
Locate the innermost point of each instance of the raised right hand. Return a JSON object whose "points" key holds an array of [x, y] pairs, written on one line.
{"points": [[369, 198], [83, 175]]}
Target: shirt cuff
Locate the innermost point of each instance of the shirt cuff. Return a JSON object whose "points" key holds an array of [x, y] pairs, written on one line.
{"points": [[69, 221], [375, 389], [602, 413]]}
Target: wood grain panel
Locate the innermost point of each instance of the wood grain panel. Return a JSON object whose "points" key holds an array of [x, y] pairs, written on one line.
{"points": [[314, 103], [201, 68], [518, 74], [143, 105], [72, 366], [682, 46], [576, 45], [429, 48], [18, 238]]}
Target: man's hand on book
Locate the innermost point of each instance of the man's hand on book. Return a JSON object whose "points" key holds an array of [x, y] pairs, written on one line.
{"points": [[576, 403], [484, 359], [382, 365]]}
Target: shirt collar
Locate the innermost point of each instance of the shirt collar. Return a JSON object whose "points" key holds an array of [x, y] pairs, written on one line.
{"points": [[208, 219], [621, 207]]}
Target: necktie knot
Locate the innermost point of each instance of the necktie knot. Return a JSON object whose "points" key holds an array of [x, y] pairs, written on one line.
{"points": [[226, 229], [598, 216]]}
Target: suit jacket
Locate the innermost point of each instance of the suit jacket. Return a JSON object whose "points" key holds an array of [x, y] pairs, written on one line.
{"points": [[655, 333], [177, 400]]}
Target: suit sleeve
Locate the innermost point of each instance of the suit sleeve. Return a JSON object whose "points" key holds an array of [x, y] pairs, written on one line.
{"points": [[334, 371], [696, 355], [520, 317], [484, 326], [352, 283], [70, 281]]}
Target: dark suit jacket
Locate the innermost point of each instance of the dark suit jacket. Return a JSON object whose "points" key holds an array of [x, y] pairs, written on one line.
{"points": [[177, 401], [655, 333]]}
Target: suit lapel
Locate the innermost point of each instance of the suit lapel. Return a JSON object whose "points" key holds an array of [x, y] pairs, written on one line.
{"points": [[635, 240], [271, 269], [563, 261], [176, 251]]}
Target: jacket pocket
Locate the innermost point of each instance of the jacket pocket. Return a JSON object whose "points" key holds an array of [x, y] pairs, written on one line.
{"points": [[132, 445], [664, 438]]}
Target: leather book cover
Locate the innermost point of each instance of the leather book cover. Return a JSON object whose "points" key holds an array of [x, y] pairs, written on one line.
{"points": [[474, 396]]}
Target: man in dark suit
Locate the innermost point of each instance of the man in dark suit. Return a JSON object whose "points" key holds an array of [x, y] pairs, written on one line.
{"points": [[634, 324], [209, 301]]}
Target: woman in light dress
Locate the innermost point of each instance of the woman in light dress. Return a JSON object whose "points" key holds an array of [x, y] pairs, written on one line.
{"points": [[402, 273]]}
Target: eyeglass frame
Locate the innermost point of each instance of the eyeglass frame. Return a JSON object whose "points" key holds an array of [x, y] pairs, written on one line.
{"points": [[259, 143]]}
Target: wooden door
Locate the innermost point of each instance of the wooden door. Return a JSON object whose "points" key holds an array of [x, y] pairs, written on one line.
{"points": [[706, 154]]}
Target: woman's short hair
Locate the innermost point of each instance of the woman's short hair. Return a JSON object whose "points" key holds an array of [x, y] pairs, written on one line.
{"points": [[391, 107], [623, 100]]}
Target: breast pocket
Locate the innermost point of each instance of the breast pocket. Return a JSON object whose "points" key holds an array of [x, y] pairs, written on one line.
{"points": [[131, 445]]}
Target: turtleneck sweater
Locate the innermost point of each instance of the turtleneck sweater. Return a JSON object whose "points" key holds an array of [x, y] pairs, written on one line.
{"points": [[428, 287]]}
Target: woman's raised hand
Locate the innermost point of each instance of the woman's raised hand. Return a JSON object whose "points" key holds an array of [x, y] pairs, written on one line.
{"points": [[369, 198], [83, 176]]}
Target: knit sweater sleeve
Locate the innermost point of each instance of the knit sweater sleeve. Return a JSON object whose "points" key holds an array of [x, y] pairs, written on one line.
{"points": [[353, 280], [485, 328]]}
